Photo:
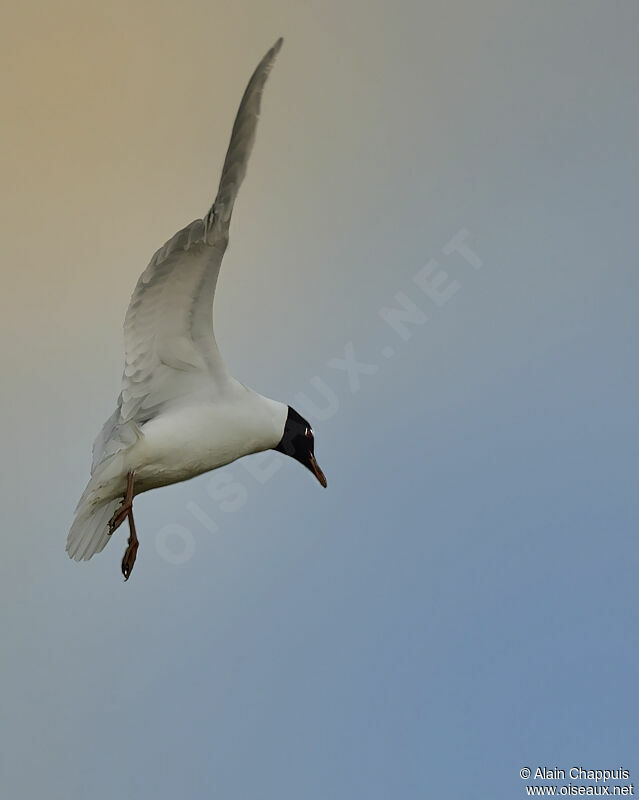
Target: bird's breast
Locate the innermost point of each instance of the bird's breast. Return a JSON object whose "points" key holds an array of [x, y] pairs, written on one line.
{"points": [[186, 442]]}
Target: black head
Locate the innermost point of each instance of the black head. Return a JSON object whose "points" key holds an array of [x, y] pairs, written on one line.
{"points": [[299, 443]]}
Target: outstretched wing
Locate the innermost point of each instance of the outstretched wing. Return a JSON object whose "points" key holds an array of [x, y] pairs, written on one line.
{"points": [[242, 138], [170, 348]]}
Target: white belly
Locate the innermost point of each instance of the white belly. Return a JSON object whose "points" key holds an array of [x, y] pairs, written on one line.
{"points": [[187, 441]]}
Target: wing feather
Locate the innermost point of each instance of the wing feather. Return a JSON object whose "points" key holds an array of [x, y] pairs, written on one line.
{"points": [[170, 348], [242, 138]]}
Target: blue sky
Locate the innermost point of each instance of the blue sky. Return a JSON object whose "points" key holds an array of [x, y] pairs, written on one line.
{"points": [[460, 602]]}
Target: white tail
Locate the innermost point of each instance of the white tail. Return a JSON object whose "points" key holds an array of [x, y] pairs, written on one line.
{"points": [[90, 530]]}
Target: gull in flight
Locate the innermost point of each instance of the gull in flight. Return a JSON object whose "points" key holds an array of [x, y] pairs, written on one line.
{"points": [[180, 413]]}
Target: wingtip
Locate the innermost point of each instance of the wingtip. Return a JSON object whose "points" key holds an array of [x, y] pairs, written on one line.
{"points": [[266, 64], [275, 49]]}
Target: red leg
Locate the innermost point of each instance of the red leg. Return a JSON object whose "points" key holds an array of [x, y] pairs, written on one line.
{"points": [[127, 505], [132, 548]]}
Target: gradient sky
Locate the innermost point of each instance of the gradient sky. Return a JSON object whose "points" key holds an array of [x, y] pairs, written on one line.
{"points": [[462, 601]]}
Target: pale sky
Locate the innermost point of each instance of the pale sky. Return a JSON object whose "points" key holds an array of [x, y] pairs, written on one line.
{"points": [[460, 602]]}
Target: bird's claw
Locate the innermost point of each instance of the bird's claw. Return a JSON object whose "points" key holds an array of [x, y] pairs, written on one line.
{"points": [[128, 559], [120, 515]]}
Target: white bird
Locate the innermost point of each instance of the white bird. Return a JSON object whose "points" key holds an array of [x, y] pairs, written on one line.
{"points": [[180, 413]]}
